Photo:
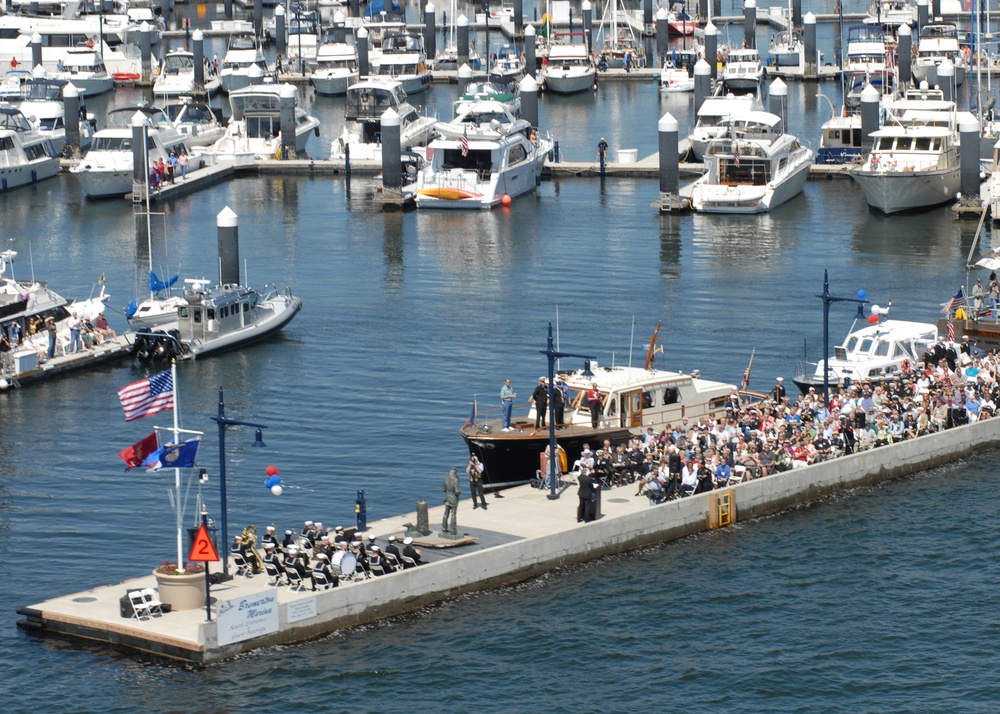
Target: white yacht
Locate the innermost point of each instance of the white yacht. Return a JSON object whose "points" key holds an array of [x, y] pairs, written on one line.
{"points": [[367, 101], [753, 169], [568, 69], [243, 64], [866, 49], [483, 169], [743, 72], [196, 121], [26, 156], [176, 75], [304, 35], [938, 41], [620, 47], [402, 58], [873, 352], [712, 116], [119, 50], [892, 13], [42, 103], [840, 140], [482, 119], [336, 68], [677, 73], [106, 169], [508, 65], [914, 162], [254, 131], [85, 68]]}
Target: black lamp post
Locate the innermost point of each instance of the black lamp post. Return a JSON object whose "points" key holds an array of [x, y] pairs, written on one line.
{"points": [[223, 423], [827, 298], [551, 353]]}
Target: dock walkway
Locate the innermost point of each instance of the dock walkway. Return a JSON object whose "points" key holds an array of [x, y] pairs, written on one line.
{"points": [[521, 536]]}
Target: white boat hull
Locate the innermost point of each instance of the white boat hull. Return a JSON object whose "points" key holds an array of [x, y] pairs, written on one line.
{"points": [[284, 309], [714, 198], [23, 174], [104, 183], [569, 81], [927, 72], [333, 84], [898, 191]]}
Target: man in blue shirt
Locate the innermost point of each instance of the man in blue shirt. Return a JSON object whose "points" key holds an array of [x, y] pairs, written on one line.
{"points": [[507, 395]]}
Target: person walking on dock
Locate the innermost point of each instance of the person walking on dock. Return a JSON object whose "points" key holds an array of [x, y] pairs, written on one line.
{"points": [[507, 395], [452, 491], [74, 323]]}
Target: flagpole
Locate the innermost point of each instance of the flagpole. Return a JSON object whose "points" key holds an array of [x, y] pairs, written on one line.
{"points": [[177, 471]]}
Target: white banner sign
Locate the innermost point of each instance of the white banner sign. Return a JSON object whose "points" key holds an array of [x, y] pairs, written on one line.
{"points": [[248, 617]]}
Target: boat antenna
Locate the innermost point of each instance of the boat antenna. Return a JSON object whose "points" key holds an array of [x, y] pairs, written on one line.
{"points": [[557, 336], [631, 342]]}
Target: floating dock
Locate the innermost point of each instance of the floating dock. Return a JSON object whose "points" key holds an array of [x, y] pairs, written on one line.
{"points": [[28, 368], [521, 536]]}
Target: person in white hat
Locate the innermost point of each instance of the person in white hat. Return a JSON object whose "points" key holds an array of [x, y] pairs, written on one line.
{"points": [[323, 574], [778, 392], [410, 552], [392, 551], [540, 398]]}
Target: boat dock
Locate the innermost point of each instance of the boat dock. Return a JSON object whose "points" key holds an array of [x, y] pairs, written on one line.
{"points": [[28, 368], [523, 535]]}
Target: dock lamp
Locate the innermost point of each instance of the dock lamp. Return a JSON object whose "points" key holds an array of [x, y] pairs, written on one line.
{"points": [[827, 298], [224, 423], [553, 355]]}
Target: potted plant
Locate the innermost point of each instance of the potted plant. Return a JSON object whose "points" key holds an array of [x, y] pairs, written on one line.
{"points": [[181, 589]]}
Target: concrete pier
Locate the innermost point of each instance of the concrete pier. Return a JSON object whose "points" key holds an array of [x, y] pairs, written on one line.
{"points": [[522, 536]]}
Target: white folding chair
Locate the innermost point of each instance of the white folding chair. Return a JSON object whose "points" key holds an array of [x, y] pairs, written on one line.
{"points": [[739, 472], [273, 574], [408, 562], [242, 566], [153, 604], [320, 580], [392, 561], [294, 580], [376, 568], [139, 607]]}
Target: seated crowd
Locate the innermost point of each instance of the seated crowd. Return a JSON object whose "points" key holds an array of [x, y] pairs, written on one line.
{"points": [[754, 439], [316, 557]]}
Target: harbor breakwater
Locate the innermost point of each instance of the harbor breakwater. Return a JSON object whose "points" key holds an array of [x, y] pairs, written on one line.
{"points": [[530, 550]]}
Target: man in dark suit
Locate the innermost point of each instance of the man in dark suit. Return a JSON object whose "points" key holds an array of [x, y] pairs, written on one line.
{"points": [[585, 511]]}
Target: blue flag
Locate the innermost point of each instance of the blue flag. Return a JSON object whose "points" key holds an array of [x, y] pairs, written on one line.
{"points": [[173, 456]]}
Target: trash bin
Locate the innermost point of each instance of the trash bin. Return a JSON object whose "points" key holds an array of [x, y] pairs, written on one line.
{"points": [[627, 156], [125, 606]]}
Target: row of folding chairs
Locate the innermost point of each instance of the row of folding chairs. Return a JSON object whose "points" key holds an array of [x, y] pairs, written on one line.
{"points": [[145, 604]]}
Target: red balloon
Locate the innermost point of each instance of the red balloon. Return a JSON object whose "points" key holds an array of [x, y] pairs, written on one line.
{"points": [[872, 319], [272, 471]]}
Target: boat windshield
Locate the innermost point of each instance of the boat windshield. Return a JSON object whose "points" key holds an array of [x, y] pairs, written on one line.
{"points": [[13, 120], [111, 143]]}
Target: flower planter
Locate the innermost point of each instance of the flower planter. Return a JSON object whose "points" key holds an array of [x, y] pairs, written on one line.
{"points": [[181, 592]]}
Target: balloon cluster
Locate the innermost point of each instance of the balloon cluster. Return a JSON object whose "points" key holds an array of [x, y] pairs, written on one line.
{"points": [[876, 311], [273, 480]]}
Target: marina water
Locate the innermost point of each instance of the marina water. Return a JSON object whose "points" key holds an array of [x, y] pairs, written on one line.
{"points": [[878, 599]]}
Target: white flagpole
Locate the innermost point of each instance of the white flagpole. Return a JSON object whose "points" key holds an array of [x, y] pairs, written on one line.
{"points": [[177, 472]]}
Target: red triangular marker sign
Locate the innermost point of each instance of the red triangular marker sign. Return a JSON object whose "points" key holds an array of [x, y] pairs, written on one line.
{"points": [[202, 550]]}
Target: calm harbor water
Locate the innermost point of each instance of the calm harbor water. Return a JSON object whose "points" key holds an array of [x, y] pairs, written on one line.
{"points": [[877, 600]]}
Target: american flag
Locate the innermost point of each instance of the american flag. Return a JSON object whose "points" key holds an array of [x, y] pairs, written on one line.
{"points": [[147, 396], [465, 143], [957, 301], [736, 156]]}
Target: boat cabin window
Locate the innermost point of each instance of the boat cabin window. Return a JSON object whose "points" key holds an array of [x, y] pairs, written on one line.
{"points": [[210, 313], [866, 346], [882, 349], [224, 312], [611, 407], [899, 351], [852, 343], [648, 399], [39, 151], [671, 395], [263, 127], [197, 316], [517, 154], [922, 144], [475, 161], [111, 143]]}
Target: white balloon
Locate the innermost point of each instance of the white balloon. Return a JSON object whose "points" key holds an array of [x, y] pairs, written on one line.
{"points": [[276, 490], [875, 309]]}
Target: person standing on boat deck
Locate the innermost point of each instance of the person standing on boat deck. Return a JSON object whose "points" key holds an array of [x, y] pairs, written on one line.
{"points": [[778, 392], [585, 510], [452, 491], [14, 333], [594, 399], [50, 327], [74, 323], [475, 471], [540, 397], [507, 401], [978, 293], [559, 405]]}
